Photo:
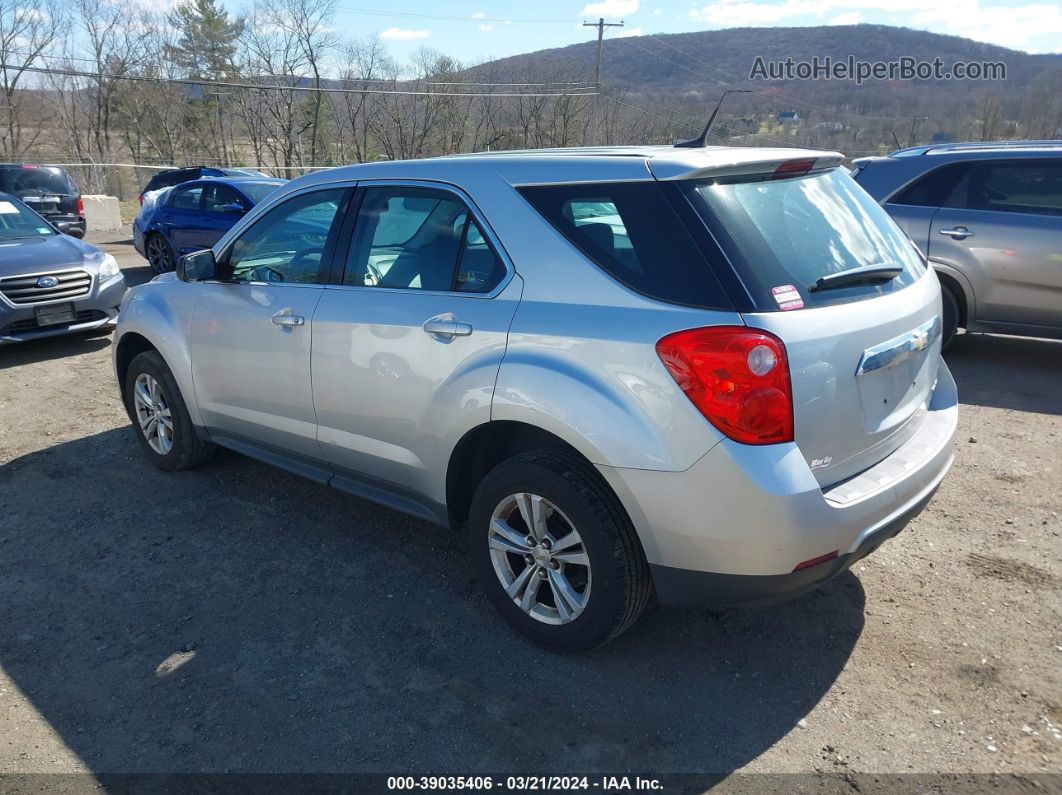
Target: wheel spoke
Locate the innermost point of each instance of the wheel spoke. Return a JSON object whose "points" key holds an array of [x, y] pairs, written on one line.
{"points": [[506, 537], [534, 514], [566, 541], [527, 601], [562, 604], [144, 395], [565, 593], [577, 558], [520, 583]]}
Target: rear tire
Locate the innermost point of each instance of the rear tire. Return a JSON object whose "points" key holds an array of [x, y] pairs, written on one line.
{"points": [[159, 253], [566, 595], [949, 315], [160, 417]]}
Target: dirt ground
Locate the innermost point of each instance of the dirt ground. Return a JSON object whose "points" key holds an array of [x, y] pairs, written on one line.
{"points": [[238, 618]]}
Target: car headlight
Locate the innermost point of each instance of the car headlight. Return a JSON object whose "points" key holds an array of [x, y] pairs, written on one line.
{"points": [[108, 267]]}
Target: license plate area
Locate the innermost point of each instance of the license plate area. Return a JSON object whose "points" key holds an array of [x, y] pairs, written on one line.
{"points": [[55, 314]]}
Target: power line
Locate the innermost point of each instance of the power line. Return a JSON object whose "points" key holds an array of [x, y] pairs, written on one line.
{"points": [[322, 89], [570, 83], [411, 15]]}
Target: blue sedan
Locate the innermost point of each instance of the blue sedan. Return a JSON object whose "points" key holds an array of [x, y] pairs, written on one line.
{"points": [[193, 215]]}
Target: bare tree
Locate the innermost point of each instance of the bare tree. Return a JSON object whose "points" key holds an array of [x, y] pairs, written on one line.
{"points": [[28, 28]]}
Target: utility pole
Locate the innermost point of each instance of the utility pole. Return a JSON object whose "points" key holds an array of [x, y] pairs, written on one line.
{"points": [[595, 110]]}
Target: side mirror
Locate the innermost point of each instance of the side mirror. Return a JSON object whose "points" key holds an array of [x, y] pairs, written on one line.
{"points": [[197, 266], [235, 208]]}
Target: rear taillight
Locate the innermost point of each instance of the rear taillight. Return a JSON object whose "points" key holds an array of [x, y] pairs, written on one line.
{"points": [[737, 377], [80, 206]]}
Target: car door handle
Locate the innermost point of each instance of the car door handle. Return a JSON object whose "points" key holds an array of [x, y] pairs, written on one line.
{"points": [[446, 328], [958, 233], [288, 321]]}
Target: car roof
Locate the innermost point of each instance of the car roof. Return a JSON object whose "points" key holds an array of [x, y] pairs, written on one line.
{"points": [[580, 164], [981, 148]]}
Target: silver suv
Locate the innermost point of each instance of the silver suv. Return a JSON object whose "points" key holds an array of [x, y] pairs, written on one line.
{"points": [[713, 373], [989, 217]]}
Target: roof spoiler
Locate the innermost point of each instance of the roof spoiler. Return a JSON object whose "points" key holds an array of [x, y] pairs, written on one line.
{"points": [[741, 162]]}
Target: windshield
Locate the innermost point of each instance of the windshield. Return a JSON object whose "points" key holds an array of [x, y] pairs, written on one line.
{"points": [[17, 221], [36, 180], [256, 191], [784, 233]]}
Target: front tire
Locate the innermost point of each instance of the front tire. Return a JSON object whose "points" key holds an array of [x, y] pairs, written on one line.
{"points": [[556, 552], [159, 253], [160, 417]]}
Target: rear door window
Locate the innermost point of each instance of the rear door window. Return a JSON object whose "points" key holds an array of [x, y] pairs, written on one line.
{"points": [[1029, 188], [632, 231], [790, 232], [186, 198], [934, 188]]}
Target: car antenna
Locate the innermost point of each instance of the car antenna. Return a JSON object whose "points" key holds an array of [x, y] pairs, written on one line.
{"points": [[702, 140]]}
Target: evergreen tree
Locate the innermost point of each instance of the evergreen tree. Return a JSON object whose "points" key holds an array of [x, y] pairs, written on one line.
{"points": [[207, 44]]}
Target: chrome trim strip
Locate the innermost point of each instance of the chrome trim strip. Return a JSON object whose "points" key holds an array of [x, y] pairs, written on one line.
{"points": [[897, 349]]}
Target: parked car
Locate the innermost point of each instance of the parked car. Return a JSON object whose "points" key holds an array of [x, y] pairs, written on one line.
{"points": [[989, 217], [728, 391], [193, 215], [51, 283], [49, 190], [169, 177]]}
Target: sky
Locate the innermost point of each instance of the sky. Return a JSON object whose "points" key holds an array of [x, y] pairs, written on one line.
{"points": [[485, 30]]}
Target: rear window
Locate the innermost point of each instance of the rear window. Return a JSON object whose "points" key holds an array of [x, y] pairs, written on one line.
{"points": [[781, 233], [632, 231], [256, 191], [36, 181]]}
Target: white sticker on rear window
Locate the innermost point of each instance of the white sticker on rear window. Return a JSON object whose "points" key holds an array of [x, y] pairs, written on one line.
{"points": [[787, 297], [7, 208]]}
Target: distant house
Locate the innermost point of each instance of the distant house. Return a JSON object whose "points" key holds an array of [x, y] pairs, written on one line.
{"points": [[789, 117]]}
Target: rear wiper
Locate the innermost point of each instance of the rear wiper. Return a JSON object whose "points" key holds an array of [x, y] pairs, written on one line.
{"points": [[865, 275]]}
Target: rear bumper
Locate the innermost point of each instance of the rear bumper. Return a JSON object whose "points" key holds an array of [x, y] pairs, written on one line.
{"points": [[683, 587], [97, 310], [732, 529]]}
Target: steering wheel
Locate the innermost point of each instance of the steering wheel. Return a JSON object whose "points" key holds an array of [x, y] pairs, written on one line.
{"points": [[305, 254]]}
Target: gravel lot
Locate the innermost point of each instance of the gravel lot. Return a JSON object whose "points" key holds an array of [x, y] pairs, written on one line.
{"points": [[238, 618]]}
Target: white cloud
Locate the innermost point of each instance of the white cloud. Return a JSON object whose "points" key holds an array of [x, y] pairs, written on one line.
{"points": [[404, 34], [611, 8], [1028, 27], [486, 28], [657, 12], [847, 18], [479, 15], [626, 33]]}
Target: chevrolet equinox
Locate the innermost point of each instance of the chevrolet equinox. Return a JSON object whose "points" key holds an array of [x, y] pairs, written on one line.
{"points": [[709, 373]]}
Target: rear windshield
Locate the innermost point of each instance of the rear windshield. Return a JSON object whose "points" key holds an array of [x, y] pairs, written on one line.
{"points": [[256, 191], [17, 221], [36, 181], [789, 233], [632, 231]]}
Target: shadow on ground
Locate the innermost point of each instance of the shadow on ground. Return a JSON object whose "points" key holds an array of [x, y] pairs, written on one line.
{"points": [[1007, 372], [239, 618], [48, 348]]}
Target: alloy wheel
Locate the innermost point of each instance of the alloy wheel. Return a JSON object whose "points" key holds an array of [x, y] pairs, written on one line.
{"points": [[158, 254], [539, 558], [153, 414]]}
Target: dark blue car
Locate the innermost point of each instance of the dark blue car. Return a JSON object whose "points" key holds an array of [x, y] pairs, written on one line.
{"points": [[194, 215]]}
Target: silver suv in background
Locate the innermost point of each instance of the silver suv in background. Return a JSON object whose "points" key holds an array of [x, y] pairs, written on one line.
{"points": [[989, 218], [710, 372]]}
